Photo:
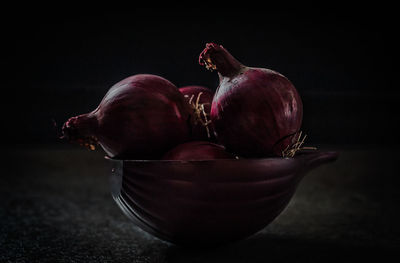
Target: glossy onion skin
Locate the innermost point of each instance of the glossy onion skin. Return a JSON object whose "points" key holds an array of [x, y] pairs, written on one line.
{"points": [[252, 114], [256, 112], [198, 131], [140, 117], [198, 150]]}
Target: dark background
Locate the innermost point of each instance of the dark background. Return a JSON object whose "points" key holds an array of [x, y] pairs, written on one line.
{"points": [[60, 61]]}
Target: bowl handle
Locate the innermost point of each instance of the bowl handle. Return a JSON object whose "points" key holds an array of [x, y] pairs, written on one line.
{"points": [[317, 158]]}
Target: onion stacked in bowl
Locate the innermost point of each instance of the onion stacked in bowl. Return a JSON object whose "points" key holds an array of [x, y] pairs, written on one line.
{"points": [[254, 113]]}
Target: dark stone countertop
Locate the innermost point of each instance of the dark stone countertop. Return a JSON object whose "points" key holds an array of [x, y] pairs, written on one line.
{"points": [[56, 207]]}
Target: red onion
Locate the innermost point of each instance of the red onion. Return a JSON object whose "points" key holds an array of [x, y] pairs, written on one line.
{"points": [[198, 150], [140, 117], [200, 99], [256, 112]]}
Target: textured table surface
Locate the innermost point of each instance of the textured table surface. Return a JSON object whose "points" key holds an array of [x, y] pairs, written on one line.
{"points": [[56, 207]]}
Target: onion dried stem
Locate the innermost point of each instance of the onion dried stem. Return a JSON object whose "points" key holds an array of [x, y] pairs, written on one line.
{"points": [[89, 143], [200, 113], [291, 150]]}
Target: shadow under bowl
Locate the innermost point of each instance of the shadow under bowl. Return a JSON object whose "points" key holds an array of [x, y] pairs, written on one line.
{"points": [[212, 201]]}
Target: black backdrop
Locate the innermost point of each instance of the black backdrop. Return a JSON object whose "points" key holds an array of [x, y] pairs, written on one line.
{"points": [[59, 63]]}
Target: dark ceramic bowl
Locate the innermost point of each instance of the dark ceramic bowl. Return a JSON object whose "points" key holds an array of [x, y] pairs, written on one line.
{"points": [[210, 201]]}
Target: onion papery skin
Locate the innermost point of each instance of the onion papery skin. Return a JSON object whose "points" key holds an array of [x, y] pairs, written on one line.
{"points": [[256, 112], [198, 130], [198, 150], [140, 117]]}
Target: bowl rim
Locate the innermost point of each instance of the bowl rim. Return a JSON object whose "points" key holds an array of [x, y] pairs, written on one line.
{"points": [[197, 161], [300, 155]]}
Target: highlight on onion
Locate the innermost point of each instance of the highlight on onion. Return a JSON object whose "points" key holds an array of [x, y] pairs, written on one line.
{"points": [[198, 150], [256, 112], [200, 98], [140, 117]]}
